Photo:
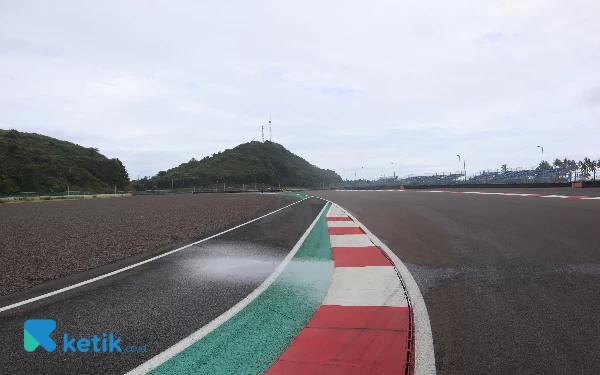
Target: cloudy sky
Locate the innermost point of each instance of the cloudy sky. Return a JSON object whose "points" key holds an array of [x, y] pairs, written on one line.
{"points": [[350, 84]]}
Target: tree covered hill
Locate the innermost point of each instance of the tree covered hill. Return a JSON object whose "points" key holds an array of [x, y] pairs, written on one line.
{"points": [[265, 163], [34, 162]]}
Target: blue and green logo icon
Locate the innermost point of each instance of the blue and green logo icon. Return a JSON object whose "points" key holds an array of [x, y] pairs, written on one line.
{"points": [[36, 332]]}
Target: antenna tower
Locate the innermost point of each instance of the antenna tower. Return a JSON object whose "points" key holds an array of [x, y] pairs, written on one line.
{"points": [[263, 133], [270, 131]]}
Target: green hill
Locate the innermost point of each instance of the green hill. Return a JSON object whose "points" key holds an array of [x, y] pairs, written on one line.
{"points": [[265, 163], [34, 162]]}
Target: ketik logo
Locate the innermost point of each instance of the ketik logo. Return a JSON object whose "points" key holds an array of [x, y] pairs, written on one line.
{"points": [[97, 344], [37, 332]]}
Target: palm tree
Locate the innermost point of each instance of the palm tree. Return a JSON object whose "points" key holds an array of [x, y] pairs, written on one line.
{"points": [[557, 163], [584, 165], [593, 165], [570, 165]]}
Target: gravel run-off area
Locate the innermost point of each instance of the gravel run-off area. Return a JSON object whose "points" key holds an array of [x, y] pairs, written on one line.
{"points": [[45, 241]]}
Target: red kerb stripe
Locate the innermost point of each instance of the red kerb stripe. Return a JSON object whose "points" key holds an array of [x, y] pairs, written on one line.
{"points": [[375, 349], [338, 218], [359, 257], [393, 318], [345, 230]]}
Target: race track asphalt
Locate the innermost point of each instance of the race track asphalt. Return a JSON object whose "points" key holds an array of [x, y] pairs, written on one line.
{"points": [[511, 283], [156, 304]]}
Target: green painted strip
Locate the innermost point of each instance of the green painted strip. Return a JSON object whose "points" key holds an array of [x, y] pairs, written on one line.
{"points": [[251, 341], [29, 342]]}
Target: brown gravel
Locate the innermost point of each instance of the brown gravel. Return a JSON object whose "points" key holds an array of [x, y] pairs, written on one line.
{"points": [[45, 241]]}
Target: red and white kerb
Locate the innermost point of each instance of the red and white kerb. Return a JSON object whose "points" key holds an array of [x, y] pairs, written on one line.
{"points": [[364, 324]]}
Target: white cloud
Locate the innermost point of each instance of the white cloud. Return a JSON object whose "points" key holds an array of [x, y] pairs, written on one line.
{"points": [[349, 84]]}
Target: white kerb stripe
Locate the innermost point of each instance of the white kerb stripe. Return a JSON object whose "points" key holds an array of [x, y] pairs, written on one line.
{"points": [[369, 277], [336, 211], [365, 286], [350, 240], [424, 351], [367, 297], [337, 224]]}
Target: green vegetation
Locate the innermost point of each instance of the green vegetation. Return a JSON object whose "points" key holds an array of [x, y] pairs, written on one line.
{"points": [[34, 162], [587, 166], [544, 166], [265, 163], [582, 170]]}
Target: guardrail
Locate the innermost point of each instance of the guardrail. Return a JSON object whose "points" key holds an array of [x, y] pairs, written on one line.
{"points": [[58, 197]]}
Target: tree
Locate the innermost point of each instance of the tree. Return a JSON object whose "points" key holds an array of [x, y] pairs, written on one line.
{"points": [[544, 165], [593, 167], [558, 163], [584, 166], [11, 148], [14, 134], [569, 164], [504, 168]]}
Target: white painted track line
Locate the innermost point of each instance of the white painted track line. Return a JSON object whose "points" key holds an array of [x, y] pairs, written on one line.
{"points": [[161, 358]]}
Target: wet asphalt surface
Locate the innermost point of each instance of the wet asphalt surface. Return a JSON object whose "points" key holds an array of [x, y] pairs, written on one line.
{"points": [[511, 284], [156, 304]]}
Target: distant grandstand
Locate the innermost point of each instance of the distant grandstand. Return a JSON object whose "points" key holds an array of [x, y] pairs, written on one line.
{"points": [[522, 176], [509, 176]]}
